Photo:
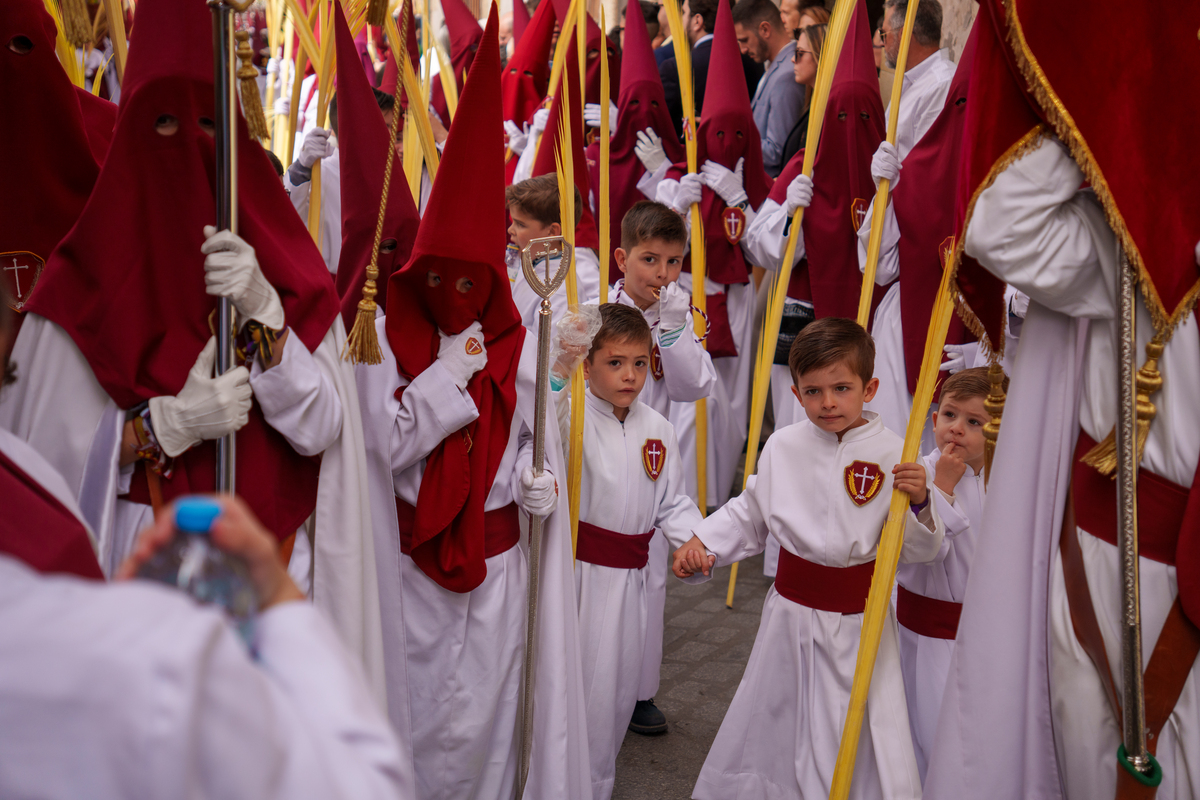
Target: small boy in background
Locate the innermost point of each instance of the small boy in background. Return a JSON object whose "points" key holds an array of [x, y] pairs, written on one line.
{"points": [[533, 207], [631, 490], [822, 489], [929, 598]]}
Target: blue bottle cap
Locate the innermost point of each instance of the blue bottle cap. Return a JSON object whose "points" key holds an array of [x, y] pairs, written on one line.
{"points": [[196, 514]]}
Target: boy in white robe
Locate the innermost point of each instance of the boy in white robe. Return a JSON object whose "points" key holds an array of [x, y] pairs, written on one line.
{"points": [[780, 737], [631, 490]]}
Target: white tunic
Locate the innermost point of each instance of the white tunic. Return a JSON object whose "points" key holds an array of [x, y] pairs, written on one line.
{"points": [[529, 302], [130, 690], [330, 243], [781, 734], [922, 98], [615, 605], [454, 661], [925, 661], [1034, 229]]}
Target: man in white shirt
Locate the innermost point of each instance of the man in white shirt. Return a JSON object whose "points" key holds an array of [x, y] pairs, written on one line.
{"points": [[779, 100], [927, 74]]}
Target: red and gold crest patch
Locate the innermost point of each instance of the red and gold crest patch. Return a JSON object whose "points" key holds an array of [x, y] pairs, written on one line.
{"points": [[858, 212], [473, 347], [733, 222], [654, 458], [656, 369], [21, 270], [863, 481]]}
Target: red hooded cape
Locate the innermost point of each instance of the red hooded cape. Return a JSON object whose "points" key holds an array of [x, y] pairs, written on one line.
{"points": [[924, 203], [523, 84], [99, 119], [363, 140], [726, 133], [465, 37], [853, 127], [448, 536], [521, 21], [586, 233], [594, 38], [127, 283], [391, 72]]}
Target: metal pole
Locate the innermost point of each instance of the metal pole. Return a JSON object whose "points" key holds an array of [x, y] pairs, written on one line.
{"points": [[225, 100], [1134, 700]]}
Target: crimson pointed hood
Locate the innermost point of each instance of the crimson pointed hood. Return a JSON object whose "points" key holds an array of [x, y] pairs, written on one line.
{"points": [[127, 283], [391, 72], [597, 40], [520, 21], [465, 36], [363, 142], [527, 74]]}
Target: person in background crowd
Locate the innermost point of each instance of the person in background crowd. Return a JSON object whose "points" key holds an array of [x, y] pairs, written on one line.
{"points": [[779, 100]]}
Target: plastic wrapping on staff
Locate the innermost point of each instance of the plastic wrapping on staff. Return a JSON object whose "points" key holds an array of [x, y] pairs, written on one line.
{"points": [[573, 340]]}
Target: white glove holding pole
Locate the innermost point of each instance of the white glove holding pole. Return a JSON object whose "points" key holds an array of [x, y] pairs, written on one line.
{"points": [[674, 303], [649, 150], [799, 193], [517, 137], [956, 358], [886, 164], [231, 270], [273, 66], [283, 106], [463, 354], [539, 493], [541, 118], [691, 190], [316, 146], [728, 184], [591, 116], [206, 407]]}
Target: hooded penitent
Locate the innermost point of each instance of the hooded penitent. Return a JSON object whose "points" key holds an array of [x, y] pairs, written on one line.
{"points": [[465, 38], [586, 234], [642, 105], [924, 203], [363, 142], [127, 283], [391, 72], [527, 73], [842, 184], [452, 280], [595, 40], [726, 133], [521, 20]]}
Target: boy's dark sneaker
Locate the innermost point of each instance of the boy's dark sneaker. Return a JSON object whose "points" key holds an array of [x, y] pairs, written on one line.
{"points": [[647, 719]]}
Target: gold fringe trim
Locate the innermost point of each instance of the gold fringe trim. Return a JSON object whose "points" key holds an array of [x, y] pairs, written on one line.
{"points": [[252, 108], [76, 25], [1165, 321], [1149, 380]]}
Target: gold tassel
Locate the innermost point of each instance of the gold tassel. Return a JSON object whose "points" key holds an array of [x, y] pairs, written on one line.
{"points": [[994, 405], [1149, 380], [377, 12], [247, 73], [76, 25]]}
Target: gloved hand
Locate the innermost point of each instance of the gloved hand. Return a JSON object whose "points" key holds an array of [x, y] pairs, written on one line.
{"points": [[539, 493], [573, 341], [517, 137], [463, 354], [316, 146], [591, 116], [273, 66], [231, 270], [728, 184], [649, 150], [283, 106], [691, 190], [886, 164], [674, 303], [799, 193], [206, 407], [956, 358], [1018, 306], [541, 118]]}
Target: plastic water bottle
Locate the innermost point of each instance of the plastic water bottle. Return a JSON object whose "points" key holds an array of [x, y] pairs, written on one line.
{"points": [[191, 563]]}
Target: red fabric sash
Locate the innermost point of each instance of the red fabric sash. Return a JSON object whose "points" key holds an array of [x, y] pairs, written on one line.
{"points": [[39, 530], [607, 548], [842, 590], [927, 616], [501, 529]]}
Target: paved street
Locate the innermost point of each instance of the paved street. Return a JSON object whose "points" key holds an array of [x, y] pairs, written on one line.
{"points": [[705, 652]]}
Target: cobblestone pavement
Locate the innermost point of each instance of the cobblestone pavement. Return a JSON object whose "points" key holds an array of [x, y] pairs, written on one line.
{"points": [[704, 654]]}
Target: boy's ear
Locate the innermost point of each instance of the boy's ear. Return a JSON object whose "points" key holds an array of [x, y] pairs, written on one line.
{"points": [[555, 229], [933, 419], [587, 368], [796, 392], [870, 389], [620, 255]]}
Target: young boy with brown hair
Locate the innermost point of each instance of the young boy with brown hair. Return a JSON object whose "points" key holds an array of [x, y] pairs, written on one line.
{"points": [[533, 207], [631, 490], [822, 490], [929, 597]]}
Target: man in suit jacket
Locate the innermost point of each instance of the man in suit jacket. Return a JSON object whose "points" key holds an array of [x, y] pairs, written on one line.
{"points": [[699, 19]]}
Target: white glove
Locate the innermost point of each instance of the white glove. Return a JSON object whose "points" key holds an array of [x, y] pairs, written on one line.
{"points": [[316, 146], [728, 185], [956, 359], [886, 164], [273, 66], [1197, 253], [517, 137], [591, 116], [673, 306], [463, 354], [206, 407], [691, 190], [1018, 306], [283, 106], [231, 270], [649, 150], [541, 118], [799, 193], [539, 493]]}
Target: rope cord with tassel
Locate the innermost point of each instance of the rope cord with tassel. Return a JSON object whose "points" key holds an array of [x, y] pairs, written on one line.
{"points": [[75, 22], [252, 107], [1149, 380]]}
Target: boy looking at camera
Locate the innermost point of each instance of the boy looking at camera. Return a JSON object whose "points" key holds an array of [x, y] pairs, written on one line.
{"points": [[822, 490], [631, 490]]}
